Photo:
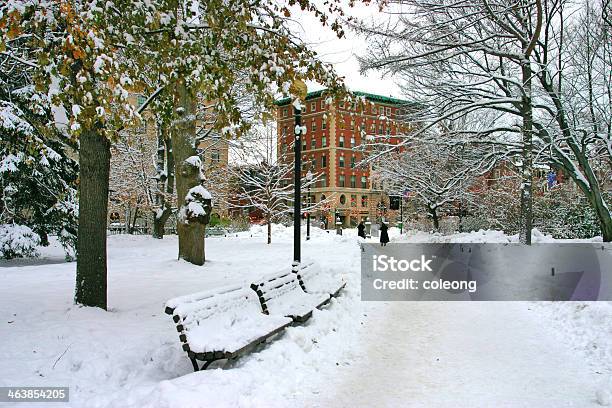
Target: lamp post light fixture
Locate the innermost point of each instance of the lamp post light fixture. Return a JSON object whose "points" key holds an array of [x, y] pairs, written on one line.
{"points": [[309, 177], [338, 225], [299, 91]]}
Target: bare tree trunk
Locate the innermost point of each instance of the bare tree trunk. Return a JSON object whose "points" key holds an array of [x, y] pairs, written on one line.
{"points": [[526, 222], [269, 231], [133, 226], [191, 234], [435, 219], [94, 163], [165, 161], [527, 113]]}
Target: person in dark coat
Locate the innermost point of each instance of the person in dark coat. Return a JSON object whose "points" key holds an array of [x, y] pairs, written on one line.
{"points": [[361, 230], [384, 236]]}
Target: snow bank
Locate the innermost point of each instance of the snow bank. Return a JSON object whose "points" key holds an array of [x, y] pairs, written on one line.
{"points": [[587, 327], [481, 236]]}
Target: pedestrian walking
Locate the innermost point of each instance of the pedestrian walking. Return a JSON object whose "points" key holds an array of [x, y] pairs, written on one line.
{"points": [[361, 230], [384, 235]]}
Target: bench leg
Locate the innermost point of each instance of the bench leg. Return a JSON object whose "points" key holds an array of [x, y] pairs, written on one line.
{"points": [[194, 363]]}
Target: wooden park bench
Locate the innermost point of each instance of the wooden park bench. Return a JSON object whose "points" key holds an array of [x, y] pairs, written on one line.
{"points": [[215, 232], [282, 294], [314, 280], [223, 324], [231, 321]]}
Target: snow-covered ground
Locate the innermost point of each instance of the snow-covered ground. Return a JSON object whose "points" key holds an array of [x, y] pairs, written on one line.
{"points": [[352, 353]]}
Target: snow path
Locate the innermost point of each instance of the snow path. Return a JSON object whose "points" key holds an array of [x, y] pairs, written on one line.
{"points": [[425, 354]]}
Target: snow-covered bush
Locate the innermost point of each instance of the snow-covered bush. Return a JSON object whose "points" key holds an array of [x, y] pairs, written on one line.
{"points": [[562, 212], [17, 241], [565, 213]]}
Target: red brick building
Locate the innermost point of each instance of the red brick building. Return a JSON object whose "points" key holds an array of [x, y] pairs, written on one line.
{"points": [[335, 130]]}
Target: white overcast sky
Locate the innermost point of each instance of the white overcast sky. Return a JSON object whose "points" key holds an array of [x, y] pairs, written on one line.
{"points": [[341, 52]]}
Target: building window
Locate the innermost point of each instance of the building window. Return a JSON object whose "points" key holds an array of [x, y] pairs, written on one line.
{"points": [[353, 200], [352, 162], [284, 130], [341, 182], [323, 161], [304, 145], [285, 113], [381, 130], [324, 123], [323, 184], [313, 143], [364, 182], [353, 182], [341, 141], [373, 109], [388, 131], [323, 141], [214, 156], [313, 162], [341, 104], [322, 195], [373, 128], [364, 201], [352, 142], [341, 161], [381, 110], [322, 104], [352, 124], [313, 125], [313, 106], [342, 198], [341, 123], [389, 112]]}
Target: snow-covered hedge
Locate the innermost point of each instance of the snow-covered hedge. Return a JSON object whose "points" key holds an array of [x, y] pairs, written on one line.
{"points": [[17, 241]]}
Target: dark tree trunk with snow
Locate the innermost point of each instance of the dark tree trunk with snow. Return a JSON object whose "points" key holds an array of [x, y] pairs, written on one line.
{"points": [[94, 162], [165, 160], [269, 231], [159, 223], [435, 218], [526, 158], [191, 234]]}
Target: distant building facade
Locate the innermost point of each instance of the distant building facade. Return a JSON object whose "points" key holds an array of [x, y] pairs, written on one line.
{"points": [[331, 149]]}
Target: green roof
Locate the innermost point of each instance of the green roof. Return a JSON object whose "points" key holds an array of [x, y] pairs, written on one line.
{"points": [[368, 96]]}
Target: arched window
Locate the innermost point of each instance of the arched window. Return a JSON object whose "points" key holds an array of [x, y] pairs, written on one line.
{"points": [[342, 199]]}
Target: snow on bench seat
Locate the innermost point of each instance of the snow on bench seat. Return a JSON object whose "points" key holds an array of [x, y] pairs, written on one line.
{"points": [[222, 324], [281, 294], [314, 280]]}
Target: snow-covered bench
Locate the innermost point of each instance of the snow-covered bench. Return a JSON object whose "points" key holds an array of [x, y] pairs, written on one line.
{"points": [[314, 280], [281, 294], [223, 324], [215, 232]]}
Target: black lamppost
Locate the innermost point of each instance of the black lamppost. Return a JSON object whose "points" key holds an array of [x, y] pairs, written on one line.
{"points": [[309, 177], [299, 91]]}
